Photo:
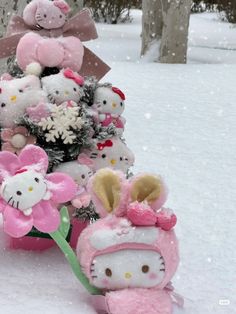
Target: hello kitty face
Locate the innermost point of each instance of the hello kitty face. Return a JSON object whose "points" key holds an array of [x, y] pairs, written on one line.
{"points": [[112, 153], [61, 89], [46, 14], [80, 173], [24, 190], [128, 269], [109, 100], [16, 96]]}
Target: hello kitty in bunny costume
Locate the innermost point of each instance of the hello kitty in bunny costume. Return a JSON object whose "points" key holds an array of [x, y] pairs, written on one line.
{"points": [[131, 253]]}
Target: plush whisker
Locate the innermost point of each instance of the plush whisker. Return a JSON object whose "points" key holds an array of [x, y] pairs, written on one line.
{"points": [[9, 199], [17, 205]]}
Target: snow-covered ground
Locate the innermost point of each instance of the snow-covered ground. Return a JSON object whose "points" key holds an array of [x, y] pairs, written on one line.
{"points": [[181, 124]]}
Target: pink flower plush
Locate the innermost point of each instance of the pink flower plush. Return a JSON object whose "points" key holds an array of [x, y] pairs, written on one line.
{"points": [[127, 253], [29, 196], [16, 139]]}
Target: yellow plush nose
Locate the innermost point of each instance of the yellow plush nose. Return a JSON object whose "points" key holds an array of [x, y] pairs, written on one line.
{"points": [[66, 93], [13, 98], [113, 162], [114, 105], [30, 189], [128, 275]]}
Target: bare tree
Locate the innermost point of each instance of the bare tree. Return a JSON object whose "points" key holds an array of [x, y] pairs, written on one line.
{"points": [[169, 22]]}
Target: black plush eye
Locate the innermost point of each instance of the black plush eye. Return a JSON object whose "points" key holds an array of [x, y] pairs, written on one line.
{"points": [[83, 176], [19, 193], [45, 15], [61, 16], [121, 104], [57, 92], [3, 105], [21, 91], [145, 269], [104, 102], [75, 89], [36, 180], [104, 156], [108, 272], [121, 158]]}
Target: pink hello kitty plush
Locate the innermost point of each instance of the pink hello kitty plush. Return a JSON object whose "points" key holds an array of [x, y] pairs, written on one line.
{"points": [[16, 95], [109, 103], [112, 153], [35, 51], [127, 253], [63, 87]]}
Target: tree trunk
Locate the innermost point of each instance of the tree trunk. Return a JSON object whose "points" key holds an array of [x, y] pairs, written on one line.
{"points": [[176, 14], [152, 23]]}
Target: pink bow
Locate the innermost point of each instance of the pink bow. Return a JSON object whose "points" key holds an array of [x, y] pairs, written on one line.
{"points": [[101, 146], [81, 26], [74, 76]]}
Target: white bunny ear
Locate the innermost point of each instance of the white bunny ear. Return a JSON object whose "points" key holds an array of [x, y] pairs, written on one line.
{"points": [[29, 13], [107, 190], [148, 188]]}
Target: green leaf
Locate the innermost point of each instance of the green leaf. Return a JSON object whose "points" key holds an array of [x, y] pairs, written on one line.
{"points": [[65, 222]]}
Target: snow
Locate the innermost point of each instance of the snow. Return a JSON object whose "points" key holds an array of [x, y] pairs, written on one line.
{"points": [[182, 126]]}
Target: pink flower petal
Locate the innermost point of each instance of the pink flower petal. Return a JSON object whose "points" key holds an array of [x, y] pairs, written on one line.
{"points": [[9, 164], [16, 224], [7, 134], [62, 186], [21, 130], [8, 147], [46, 217], [35, 156]]}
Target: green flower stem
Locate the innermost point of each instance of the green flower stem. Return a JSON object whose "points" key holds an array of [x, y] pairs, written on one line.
{"points": [[72, 259]]}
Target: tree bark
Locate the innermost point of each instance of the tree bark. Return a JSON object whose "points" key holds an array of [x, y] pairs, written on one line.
{"points": [[152, 23], [176, 14]]}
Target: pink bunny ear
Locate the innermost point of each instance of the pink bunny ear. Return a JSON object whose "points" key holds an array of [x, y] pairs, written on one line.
{"points": [[62, 5], [29, 12], [83, 159], [6, 77], [9, 164], [34, 157]]}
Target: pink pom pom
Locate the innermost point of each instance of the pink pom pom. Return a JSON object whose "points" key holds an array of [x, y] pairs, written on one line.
{"points": [[140, 214], [166, 221], [62, 5]]}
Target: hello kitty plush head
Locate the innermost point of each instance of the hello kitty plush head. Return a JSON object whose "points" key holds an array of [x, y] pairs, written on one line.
{"points": [[127, 247], [108, 99], [80, 173], [112, 153], [46, 14], [16, 95], [63, 87]]}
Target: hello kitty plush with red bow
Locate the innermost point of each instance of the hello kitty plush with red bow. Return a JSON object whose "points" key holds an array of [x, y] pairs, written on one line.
{"points": [[109, 102], [131, 253]]}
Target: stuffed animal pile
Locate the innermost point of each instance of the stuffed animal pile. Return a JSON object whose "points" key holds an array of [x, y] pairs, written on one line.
{"points": [[62, 144]]}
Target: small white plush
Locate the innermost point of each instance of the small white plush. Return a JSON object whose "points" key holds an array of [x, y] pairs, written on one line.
{"points": [[25, 190], [63, 87], [16, 95], [109, 102], [111, 153]]}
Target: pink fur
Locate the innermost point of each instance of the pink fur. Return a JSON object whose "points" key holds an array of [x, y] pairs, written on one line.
{"points": [[62, 5]]}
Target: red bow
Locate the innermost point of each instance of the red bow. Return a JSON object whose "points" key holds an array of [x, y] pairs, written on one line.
{"points": [[74, 76], [101, 146]]}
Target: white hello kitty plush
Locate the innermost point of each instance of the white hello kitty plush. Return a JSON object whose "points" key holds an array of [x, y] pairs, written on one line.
{"points": [[110, 104], [111, 153], [63, 87], [16, 95], [80, 174]]}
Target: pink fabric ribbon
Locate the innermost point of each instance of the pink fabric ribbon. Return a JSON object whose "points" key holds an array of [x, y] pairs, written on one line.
{"points": [[101, 146], [68, 73], [81, 26]]}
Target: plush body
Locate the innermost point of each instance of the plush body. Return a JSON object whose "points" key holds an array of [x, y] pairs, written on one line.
{"points": [[109, 103], [62, 87], [112, 153], [132, 262], [35, 52], [16, 95]]}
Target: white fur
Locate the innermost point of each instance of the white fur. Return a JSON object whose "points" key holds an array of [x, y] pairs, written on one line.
{"points": [[61, 89], [103, 239], [34, 68], [16, 96], [125, 269]]}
